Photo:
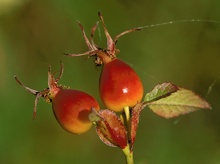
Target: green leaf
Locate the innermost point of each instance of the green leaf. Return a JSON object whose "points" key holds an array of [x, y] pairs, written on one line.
{"points": [[160, 91], [178, 103]]}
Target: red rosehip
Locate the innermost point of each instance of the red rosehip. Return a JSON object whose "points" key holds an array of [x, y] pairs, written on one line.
{"points": [[70, 107], [119, 85]]}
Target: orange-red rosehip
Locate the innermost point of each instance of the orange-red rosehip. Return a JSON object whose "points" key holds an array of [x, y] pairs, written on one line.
{"points": [[70, 107], [119, 85]]}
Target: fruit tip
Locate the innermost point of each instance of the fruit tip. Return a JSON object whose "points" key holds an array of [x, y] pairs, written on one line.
{"points": [[49, 68], [18, 81], [80, 26]]}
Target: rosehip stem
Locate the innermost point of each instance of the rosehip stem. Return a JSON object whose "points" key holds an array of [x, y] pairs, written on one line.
{"points": [[128, 121], [127, 151], [128, 155], [127, 113]]}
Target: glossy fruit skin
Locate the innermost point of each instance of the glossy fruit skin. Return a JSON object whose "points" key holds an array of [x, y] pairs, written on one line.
{"points": [[119, 85], [71, 109]]}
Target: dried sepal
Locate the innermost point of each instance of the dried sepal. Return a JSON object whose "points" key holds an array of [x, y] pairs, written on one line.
{"points": [[53, 87], [110, 129], [96, 51], [104, 135], [135, 116]]}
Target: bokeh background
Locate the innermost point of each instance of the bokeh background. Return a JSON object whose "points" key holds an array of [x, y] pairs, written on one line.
{"points": [[35, 33]]}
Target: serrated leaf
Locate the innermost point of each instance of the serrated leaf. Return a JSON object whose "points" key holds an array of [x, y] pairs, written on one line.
{"points": [[180, 102], [160, 91]]}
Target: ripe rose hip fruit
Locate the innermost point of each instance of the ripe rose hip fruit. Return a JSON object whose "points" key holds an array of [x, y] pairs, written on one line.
{"points": [[70, 107], [119, 85]]}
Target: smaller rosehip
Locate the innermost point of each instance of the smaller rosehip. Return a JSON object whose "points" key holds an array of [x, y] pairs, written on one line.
{"points": [[70, 107]]}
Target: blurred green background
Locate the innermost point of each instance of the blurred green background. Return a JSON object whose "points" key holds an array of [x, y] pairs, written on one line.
{"points": [[36, 33]]}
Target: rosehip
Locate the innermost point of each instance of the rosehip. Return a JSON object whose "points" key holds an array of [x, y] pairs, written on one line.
{"points": [[70, 107], [119, 85]]}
